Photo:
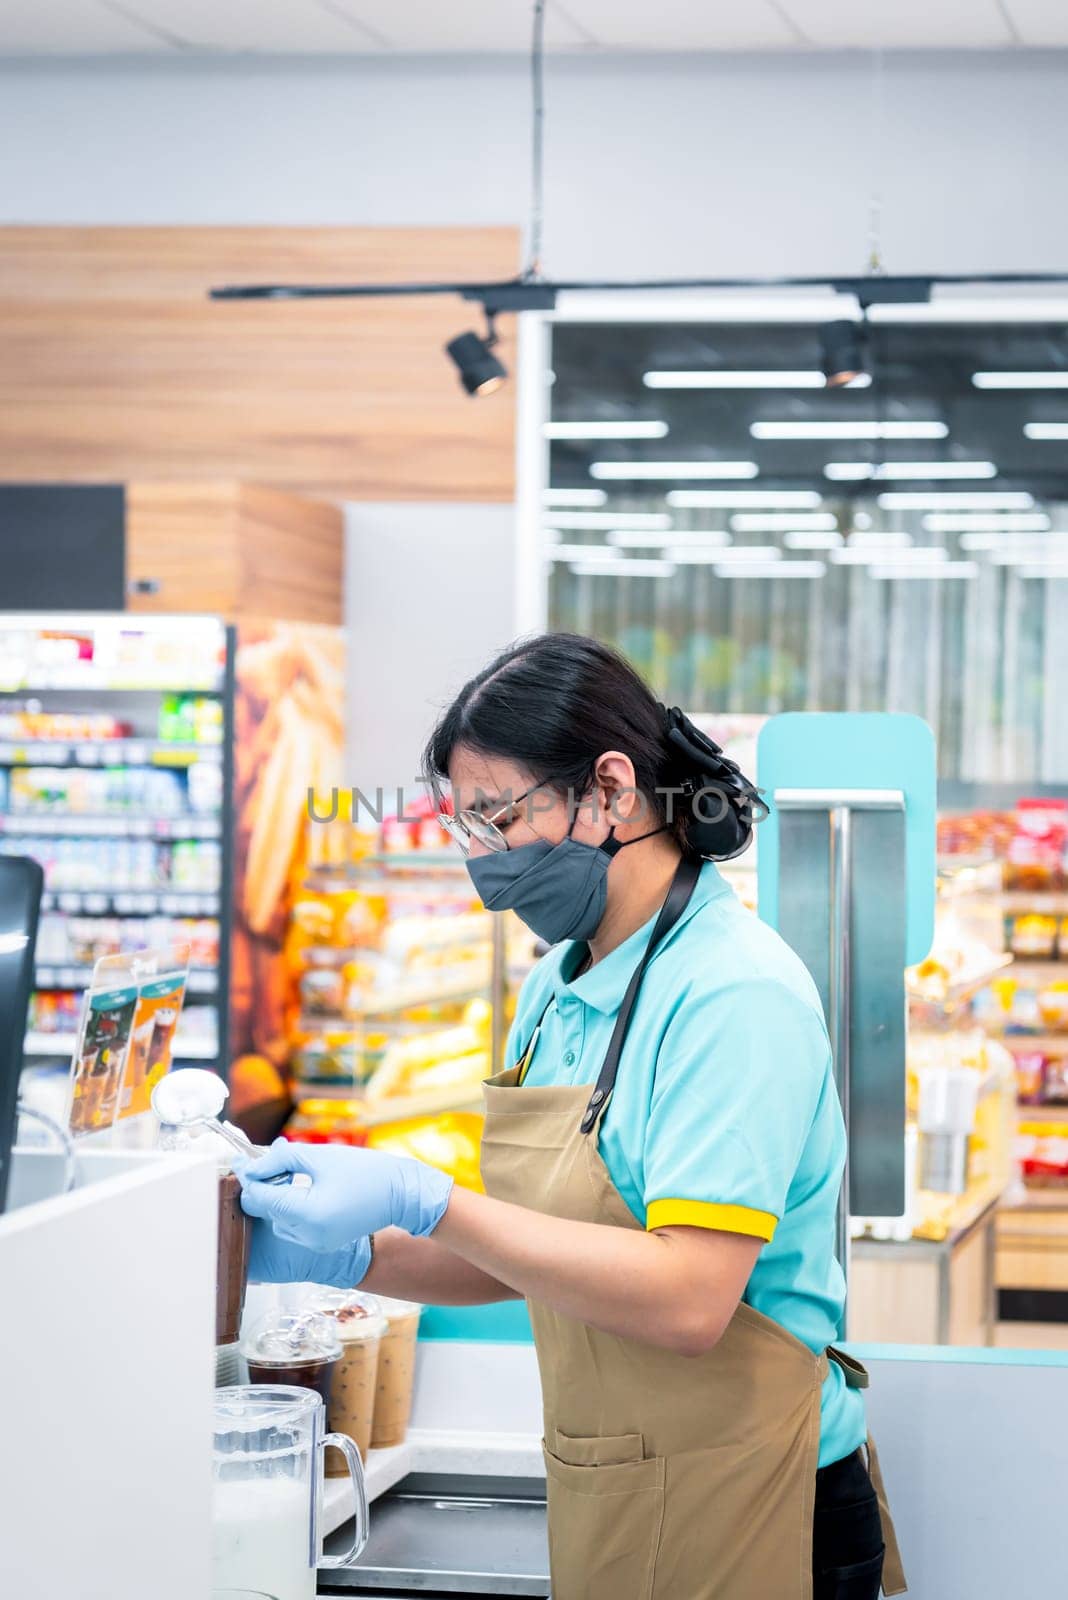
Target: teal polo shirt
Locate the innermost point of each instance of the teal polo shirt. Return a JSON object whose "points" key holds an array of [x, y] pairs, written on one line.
{"points": [[725, 1113]]}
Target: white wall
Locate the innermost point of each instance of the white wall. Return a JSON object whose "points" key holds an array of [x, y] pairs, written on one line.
{"points": [[429, 599], [659, 165]]}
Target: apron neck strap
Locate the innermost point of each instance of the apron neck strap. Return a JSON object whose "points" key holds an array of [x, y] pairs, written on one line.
{"points": [[678, 898]]}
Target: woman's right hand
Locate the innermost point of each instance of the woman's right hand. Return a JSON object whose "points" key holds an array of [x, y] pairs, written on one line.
{"points": [[275, 1260]]}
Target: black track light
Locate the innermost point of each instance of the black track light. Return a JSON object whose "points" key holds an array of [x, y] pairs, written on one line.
{"points": [[842, 352], [480, 371]]}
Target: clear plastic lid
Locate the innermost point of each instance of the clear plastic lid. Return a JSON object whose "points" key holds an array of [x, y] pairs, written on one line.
{"points": [[289, 1338], [355, 1315], [395, 1310]]}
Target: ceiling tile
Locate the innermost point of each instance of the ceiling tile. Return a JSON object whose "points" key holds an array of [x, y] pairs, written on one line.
{"points": [[70, 27], [900, 24], [429, 26], [291, 27], [684, 24], [1039, 22]]}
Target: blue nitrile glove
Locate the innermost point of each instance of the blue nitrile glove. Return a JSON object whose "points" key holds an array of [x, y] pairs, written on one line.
{"points": [[276, 1260], [352, 1193]]}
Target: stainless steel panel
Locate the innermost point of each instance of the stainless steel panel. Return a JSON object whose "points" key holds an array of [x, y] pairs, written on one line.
{"points": [[456, 1544], [842, 908], [878, 1015]]}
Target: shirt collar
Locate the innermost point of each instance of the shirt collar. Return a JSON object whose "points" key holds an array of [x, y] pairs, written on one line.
{"points": [[605, 984]]}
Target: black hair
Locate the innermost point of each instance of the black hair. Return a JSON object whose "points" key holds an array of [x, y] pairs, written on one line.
{"points": [[556, 702]]}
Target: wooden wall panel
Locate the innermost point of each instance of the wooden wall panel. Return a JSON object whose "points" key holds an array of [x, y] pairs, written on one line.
{"points": [[238, 549], [116, 366]]}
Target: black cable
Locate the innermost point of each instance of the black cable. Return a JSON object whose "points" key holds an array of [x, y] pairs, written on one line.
{"points": [[537, 137]]}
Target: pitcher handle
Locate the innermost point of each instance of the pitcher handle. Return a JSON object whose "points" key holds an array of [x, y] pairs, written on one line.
{"points": [[342, 1442]]}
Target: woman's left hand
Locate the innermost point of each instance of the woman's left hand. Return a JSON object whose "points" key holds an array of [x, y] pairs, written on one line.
{"points": [[352, 1193]]}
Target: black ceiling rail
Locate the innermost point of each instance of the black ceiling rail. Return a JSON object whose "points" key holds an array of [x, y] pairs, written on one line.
{"points": [[538, 294]]}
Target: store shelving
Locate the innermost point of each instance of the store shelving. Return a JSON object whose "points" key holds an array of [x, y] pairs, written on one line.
{"points": [[105, 753], [115, 773], [132, 902], [117, 825]]}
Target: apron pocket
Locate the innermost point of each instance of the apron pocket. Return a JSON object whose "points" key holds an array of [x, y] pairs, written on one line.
{"points": [[604, 1524], [860, 1582], [600, 1452]]}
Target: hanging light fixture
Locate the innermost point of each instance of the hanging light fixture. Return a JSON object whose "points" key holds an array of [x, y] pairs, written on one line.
{"points": [[479, 369], [842, 357]]}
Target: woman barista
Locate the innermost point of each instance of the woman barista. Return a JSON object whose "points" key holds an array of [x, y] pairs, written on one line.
{"points": [[662, 1161]]}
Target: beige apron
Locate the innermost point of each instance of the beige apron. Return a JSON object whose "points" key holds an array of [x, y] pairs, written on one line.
{"points": [[668, 1477]]}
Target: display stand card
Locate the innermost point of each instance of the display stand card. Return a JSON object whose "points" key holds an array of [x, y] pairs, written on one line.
{"points": [[126, 1036]]}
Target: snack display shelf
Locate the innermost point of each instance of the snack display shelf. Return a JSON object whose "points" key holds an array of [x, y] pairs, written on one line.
{"points": [[957, 992], [1030, 1041], [1054, 1111], [397, 1108], [105, 753], [946, 1218], [1039, 967], [62, 1045], [70, 824], [1053, 902], [1045, 1197], [414, 998]]}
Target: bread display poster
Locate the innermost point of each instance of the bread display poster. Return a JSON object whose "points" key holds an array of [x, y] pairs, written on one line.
{"points": [[289, 731], [126, 1037]]}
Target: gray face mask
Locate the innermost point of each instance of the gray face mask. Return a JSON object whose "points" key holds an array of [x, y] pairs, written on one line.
{"points": [[559, 890]]}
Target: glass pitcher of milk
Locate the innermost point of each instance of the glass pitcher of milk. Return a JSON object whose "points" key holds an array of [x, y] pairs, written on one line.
{"points": [[267, 1466]]}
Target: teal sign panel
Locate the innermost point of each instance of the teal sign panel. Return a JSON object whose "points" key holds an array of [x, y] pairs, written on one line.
{"points": [[855, 750], [506, 1323]]}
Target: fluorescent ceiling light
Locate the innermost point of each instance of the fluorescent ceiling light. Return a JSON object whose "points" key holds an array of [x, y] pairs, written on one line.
{"points": [[847, 471], [960, 309], [935, 570], [673, 469], [1046, 430], [706, 305], [947, 500], [726, 379], [982, 522], [1007, 556], [623, 569], [581, 552], [881, 539], [1018, 544], [609, 519], [1020, 380], [709, 538], [849, 430], [924, 556], [812, 539], [574, 497], [692, 556], [605, 430], [784, 569], [797, 499], [779, 521], [758, 554]]}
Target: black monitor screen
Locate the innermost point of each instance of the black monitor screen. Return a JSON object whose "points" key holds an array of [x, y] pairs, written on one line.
{"points": [[21, 882]]}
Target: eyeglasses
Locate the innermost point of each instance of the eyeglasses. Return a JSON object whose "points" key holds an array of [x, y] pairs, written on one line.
{"points": [[468, 825]]}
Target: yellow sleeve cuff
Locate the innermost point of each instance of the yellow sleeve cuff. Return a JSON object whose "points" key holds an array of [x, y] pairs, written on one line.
{"points": [[703, 1214]]}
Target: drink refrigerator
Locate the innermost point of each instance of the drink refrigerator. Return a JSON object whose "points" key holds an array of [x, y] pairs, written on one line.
{"points": [[158, 767]]}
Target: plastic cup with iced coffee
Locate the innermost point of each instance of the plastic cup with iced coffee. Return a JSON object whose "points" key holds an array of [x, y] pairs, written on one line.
{"points": [[293, 1347], [396, 1372], [360, 1327]]}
